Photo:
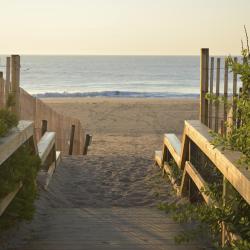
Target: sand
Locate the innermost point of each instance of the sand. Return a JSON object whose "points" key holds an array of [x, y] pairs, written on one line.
{"points": [[118, 171]]}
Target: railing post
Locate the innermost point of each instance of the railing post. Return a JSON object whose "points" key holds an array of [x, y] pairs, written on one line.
{"points": [[7, 79], [86, 144], [1, 90], [15, 83], [72, 135], [44, 126], [204, 78]]}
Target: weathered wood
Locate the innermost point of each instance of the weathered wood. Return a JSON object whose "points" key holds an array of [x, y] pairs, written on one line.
{"points": [[216, 127], [45, 145], [225, 161], [2, 94], [58, 157], [174, 147], [15, 81], [86, 144], [7, 79], [204, 71], [72, 136], [210, 120], [234, 93], [173, 181], [198, 181], [15, 138], [5, 202], [224, 127]]}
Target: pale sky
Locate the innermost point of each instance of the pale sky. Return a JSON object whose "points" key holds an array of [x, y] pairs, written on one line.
{"points": [[122, 27]]}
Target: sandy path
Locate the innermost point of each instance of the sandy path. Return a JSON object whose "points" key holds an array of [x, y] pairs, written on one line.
{"points": [[108, 199]]}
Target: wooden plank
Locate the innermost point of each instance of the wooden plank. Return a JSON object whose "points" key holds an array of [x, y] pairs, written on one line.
{"points": [[15, 138], [158, 158], [225, 161], [45, 145], [210, 120], [86, 144], [44, 126], [173, 145], [224, 127], [15, 81], [173, 181], [234, 93], [5, 202], [58, 157], [216, 125], [7, 79], [198, 181], [72, 135], [204, 71]]}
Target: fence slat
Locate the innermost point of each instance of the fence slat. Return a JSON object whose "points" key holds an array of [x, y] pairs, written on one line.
{"points": [[210, 122], [216, 127], [7, 79], [204, 71], [15, 82], [234, 94], [2, 97], [225, 96]]}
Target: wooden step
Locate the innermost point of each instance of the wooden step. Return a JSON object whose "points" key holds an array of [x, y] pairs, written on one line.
{"points": [[158, 158], [174, 146]]}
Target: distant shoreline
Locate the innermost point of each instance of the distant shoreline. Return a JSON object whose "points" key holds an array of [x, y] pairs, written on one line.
{"points": [[118, 94]]}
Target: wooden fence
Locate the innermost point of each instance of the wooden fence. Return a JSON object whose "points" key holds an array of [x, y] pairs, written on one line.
{"points": [[212, 113], [28, 107]]}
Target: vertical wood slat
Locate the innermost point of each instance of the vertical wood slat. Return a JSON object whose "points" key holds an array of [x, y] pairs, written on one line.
{"points": [[72, 135], [15, 83], [2, 97], [234, 94], [44, 126], [210, 121], [224, 127], [204, 71], [7, 79], [216, 127]]}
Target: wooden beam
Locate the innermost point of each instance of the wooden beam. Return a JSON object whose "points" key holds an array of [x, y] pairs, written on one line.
{"points": [[204, 71], [15, 81], [45, 145], [16, 137], [86, 144], [210, 120], [217, 105], [173, 145], [5, 202], [7, 79], [44, 126], [158, 158], [225, 161], [72, 135]]}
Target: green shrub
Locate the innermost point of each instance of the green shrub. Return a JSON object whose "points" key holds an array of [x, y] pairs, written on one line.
{"points": [[8, 120], [23, 167]]}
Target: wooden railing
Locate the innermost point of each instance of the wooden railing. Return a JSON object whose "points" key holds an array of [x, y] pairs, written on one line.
{"points": [[28, 107], [45, 149], [196, 135]]}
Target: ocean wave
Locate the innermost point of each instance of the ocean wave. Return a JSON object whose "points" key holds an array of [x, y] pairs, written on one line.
{"points": [[118, 94]]}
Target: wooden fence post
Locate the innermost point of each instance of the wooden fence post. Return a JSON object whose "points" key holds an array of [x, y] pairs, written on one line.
{"points": [[15, 83], [86, 144], [2, 97], [44, 126], [204, 71], [72, 135], [234, 94], [7, 79], [224, 129], [210, 121], [217, 105]]}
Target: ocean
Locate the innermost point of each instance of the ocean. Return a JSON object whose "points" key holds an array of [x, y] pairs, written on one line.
{"points": [[110, 76]]}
